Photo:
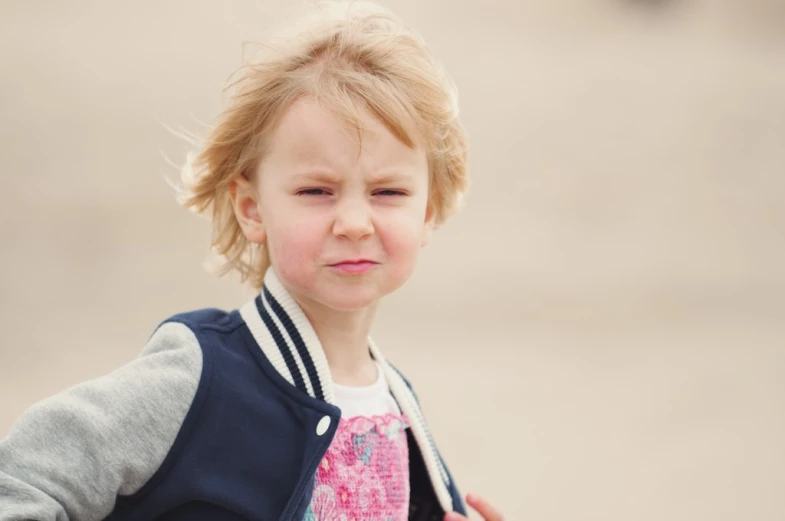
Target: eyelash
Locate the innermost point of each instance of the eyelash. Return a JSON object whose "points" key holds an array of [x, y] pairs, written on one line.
{"points": [[310, 191]]}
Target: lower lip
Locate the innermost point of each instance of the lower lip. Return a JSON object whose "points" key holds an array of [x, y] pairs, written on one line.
{"points": [[354, 268]]}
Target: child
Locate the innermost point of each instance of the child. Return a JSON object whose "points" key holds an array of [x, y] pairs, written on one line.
{"points": [[339, 153]]}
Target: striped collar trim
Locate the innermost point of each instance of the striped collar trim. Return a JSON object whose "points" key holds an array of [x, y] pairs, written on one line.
{"points": [[412, 411], [287, 339], [289, 342]]}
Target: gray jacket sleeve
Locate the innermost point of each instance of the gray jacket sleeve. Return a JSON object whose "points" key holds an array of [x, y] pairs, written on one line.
{"points": [[69, 456]]}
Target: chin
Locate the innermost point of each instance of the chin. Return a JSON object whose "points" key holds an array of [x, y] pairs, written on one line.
{"points": [[349, 299]]}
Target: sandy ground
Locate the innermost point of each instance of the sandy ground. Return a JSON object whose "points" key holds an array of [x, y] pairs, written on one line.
{"points": [[600, 335]]}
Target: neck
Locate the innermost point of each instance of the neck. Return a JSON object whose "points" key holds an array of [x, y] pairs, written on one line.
{"points": [[344, 339]]}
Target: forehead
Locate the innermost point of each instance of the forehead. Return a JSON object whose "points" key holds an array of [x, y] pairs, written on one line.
{"points": [[310, 136]]}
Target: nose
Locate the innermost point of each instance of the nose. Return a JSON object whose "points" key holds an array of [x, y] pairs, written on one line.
{"points": [[353, 220]]}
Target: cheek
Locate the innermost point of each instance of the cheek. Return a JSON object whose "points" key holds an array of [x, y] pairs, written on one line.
{"points": [[402, 240], [293, 244]]}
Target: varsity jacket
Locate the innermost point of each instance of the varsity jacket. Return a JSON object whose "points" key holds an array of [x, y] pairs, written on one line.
{"points": [[224, 416]]}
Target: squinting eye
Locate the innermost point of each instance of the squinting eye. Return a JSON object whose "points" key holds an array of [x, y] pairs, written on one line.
{"points": [[389, 192], [312, 191]]}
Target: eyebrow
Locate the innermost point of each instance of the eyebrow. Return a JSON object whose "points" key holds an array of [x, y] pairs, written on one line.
{"points": [[317, 177], [329, 178]]}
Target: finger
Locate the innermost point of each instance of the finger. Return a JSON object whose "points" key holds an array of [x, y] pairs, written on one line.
{"points": [[486, 510]]}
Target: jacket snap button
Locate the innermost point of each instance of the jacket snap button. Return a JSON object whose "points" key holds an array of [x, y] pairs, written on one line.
{"points": [[323, 425]]}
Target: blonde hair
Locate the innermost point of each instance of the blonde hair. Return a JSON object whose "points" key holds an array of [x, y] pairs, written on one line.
{"points": [[354, 58]]}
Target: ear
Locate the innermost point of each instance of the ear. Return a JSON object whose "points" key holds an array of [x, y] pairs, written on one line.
{"points": [[245, 201], [430, 225]]}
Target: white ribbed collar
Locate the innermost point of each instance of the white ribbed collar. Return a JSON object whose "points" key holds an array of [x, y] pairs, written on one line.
{"points": [[289, 342]]}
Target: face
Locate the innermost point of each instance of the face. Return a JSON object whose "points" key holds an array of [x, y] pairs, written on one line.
{"points": [[343, 224]]}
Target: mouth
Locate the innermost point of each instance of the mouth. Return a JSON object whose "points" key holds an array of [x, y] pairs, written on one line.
{"points": [[354, 266]]}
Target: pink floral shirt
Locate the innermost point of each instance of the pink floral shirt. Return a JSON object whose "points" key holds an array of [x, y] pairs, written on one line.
{"points": [[365, 473]]}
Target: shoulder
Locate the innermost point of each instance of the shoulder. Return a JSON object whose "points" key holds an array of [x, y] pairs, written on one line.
{"points": [[400, 373], [207, 319], [177, 355], [188, 334], [403, 377]]}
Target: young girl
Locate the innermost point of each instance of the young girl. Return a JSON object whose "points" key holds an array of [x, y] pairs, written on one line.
{"points": [[338, 155]]}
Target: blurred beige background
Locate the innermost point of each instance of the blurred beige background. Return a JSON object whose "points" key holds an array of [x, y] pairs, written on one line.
{"points": [[600, 335]]}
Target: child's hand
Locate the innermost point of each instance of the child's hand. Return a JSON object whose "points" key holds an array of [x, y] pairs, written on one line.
{"points": [[486, 510]]}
